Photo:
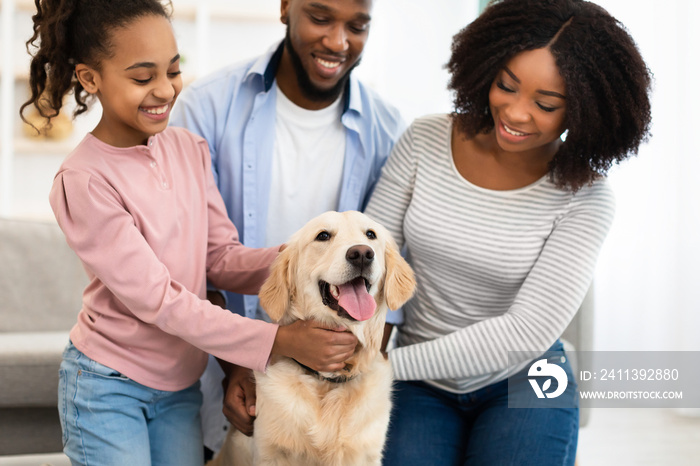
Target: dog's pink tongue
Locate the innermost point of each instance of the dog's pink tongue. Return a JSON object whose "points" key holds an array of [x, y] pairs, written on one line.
{"points": [[355, 299]]}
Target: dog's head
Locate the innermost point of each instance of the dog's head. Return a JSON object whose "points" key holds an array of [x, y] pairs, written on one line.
{"points": [[342, 269]]}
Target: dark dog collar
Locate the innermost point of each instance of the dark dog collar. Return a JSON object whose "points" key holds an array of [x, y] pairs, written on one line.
{"points": [[337, 379]]}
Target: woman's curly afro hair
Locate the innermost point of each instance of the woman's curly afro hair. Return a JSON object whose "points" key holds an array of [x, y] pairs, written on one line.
{"points": [[608, 112]]}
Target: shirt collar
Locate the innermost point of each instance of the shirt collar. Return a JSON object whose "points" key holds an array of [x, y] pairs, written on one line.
{"points": [[266, 67], [271, 70]]}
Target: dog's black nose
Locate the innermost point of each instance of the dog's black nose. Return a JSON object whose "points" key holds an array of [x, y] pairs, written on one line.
{"points": [[360, 255]]}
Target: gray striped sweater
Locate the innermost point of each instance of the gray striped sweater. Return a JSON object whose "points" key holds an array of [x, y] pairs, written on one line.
{"points": [[497, 271]]}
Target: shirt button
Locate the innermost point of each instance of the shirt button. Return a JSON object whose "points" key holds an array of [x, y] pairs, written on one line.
{"points": [[153, 164], [165, 185]]}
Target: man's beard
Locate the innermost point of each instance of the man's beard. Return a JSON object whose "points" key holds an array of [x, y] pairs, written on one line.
{"points": [[309, 89]]}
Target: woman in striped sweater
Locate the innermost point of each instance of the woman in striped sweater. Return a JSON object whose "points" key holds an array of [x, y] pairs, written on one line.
{"points": [[503, 219]]}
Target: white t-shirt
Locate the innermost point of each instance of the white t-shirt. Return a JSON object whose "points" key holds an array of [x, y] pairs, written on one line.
{"points": [[307, 166]]}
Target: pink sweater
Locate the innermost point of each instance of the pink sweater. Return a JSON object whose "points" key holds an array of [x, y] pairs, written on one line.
{"points": [[150, 227]]}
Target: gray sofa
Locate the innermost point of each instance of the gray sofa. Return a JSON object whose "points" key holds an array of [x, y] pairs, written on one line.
{"points": [[41, 283]]}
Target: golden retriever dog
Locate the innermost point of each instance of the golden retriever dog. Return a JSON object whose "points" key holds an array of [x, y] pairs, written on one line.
{"points": [[342, 269]]}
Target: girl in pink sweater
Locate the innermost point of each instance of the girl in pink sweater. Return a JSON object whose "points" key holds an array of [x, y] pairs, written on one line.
{"points": [[138, 204]]}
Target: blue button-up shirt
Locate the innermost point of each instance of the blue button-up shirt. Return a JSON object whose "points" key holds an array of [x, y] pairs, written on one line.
{"points": [[234, 109]]}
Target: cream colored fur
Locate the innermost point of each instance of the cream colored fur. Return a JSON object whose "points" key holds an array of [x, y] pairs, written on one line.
{"points": [[301, 419]]}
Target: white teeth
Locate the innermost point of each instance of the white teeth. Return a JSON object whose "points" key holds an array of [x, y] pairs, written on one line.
{"points": [[334, 291], [513, 132], [156, 110], [328, 64]]}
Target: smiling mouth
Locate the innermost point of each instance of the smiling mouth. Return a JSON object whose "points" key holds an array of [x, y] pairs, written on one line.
{"points": [[512, 131], [156, 110], [331, 65], [350, 300]]}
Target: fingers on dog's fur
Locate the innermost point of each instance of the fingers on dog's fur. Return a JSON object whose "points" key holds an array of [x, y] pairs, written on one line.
{"points": [[278, 290], [400, 280]]}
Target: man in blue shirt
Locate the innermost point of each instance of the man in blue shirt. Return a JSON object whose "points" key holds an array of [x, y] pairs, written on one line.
{"points": [[292, 133]]}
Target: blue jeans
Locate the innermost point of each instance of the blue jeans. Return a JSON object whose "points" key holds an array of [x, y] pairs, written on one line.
{"points": [[433, 427], [108, 419]]}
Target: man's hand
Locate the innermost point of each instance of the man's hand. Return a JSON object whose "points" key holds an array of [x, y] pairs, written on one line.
{"points": [[239, 386], [321, 348], [239, 398]]}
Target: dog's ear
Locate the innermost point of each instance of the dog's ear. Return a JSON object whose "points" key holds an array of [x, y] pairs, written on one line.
{"points": [[400, 281], [277, 291]]}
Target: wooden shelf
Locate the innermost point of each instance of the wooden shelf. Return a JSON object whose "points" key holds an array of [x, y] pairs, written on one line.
{"points": [[189, 12], [23, 5], [28, 146], [218, 13], [19, 74]]}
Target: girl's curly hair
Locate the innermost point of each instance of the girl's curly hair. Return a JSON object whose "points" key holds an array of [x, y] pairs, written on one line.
{"points": [[608, 113], [68, 32]]}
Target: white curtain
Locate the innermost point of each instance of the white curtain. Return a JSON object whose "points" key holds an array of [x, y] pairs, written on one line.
{"points": [[648, 274]]}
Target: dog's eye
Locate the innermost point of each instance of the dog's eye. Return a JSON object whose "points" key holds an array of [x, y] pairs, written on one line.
{"points": [[371, 234], [323, 236]]}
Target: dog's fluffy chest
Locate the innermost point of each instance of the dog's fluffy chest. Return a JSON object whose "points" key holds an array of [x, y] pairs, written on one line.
{"points": [[292, 404]]}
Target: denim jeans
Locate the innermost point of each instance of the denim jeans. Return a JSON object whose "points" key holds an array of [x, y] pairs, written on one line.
{"points": [[433, 427], [108, 419]]}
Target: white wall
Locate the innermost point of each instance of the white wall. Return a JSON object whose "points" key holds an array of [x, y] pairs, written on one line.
{"points": [[408, 48]]}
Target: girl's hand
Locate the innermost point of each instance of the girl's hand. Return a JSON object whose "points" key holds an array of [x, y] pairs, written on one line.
{"points": [[321, 348]]}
